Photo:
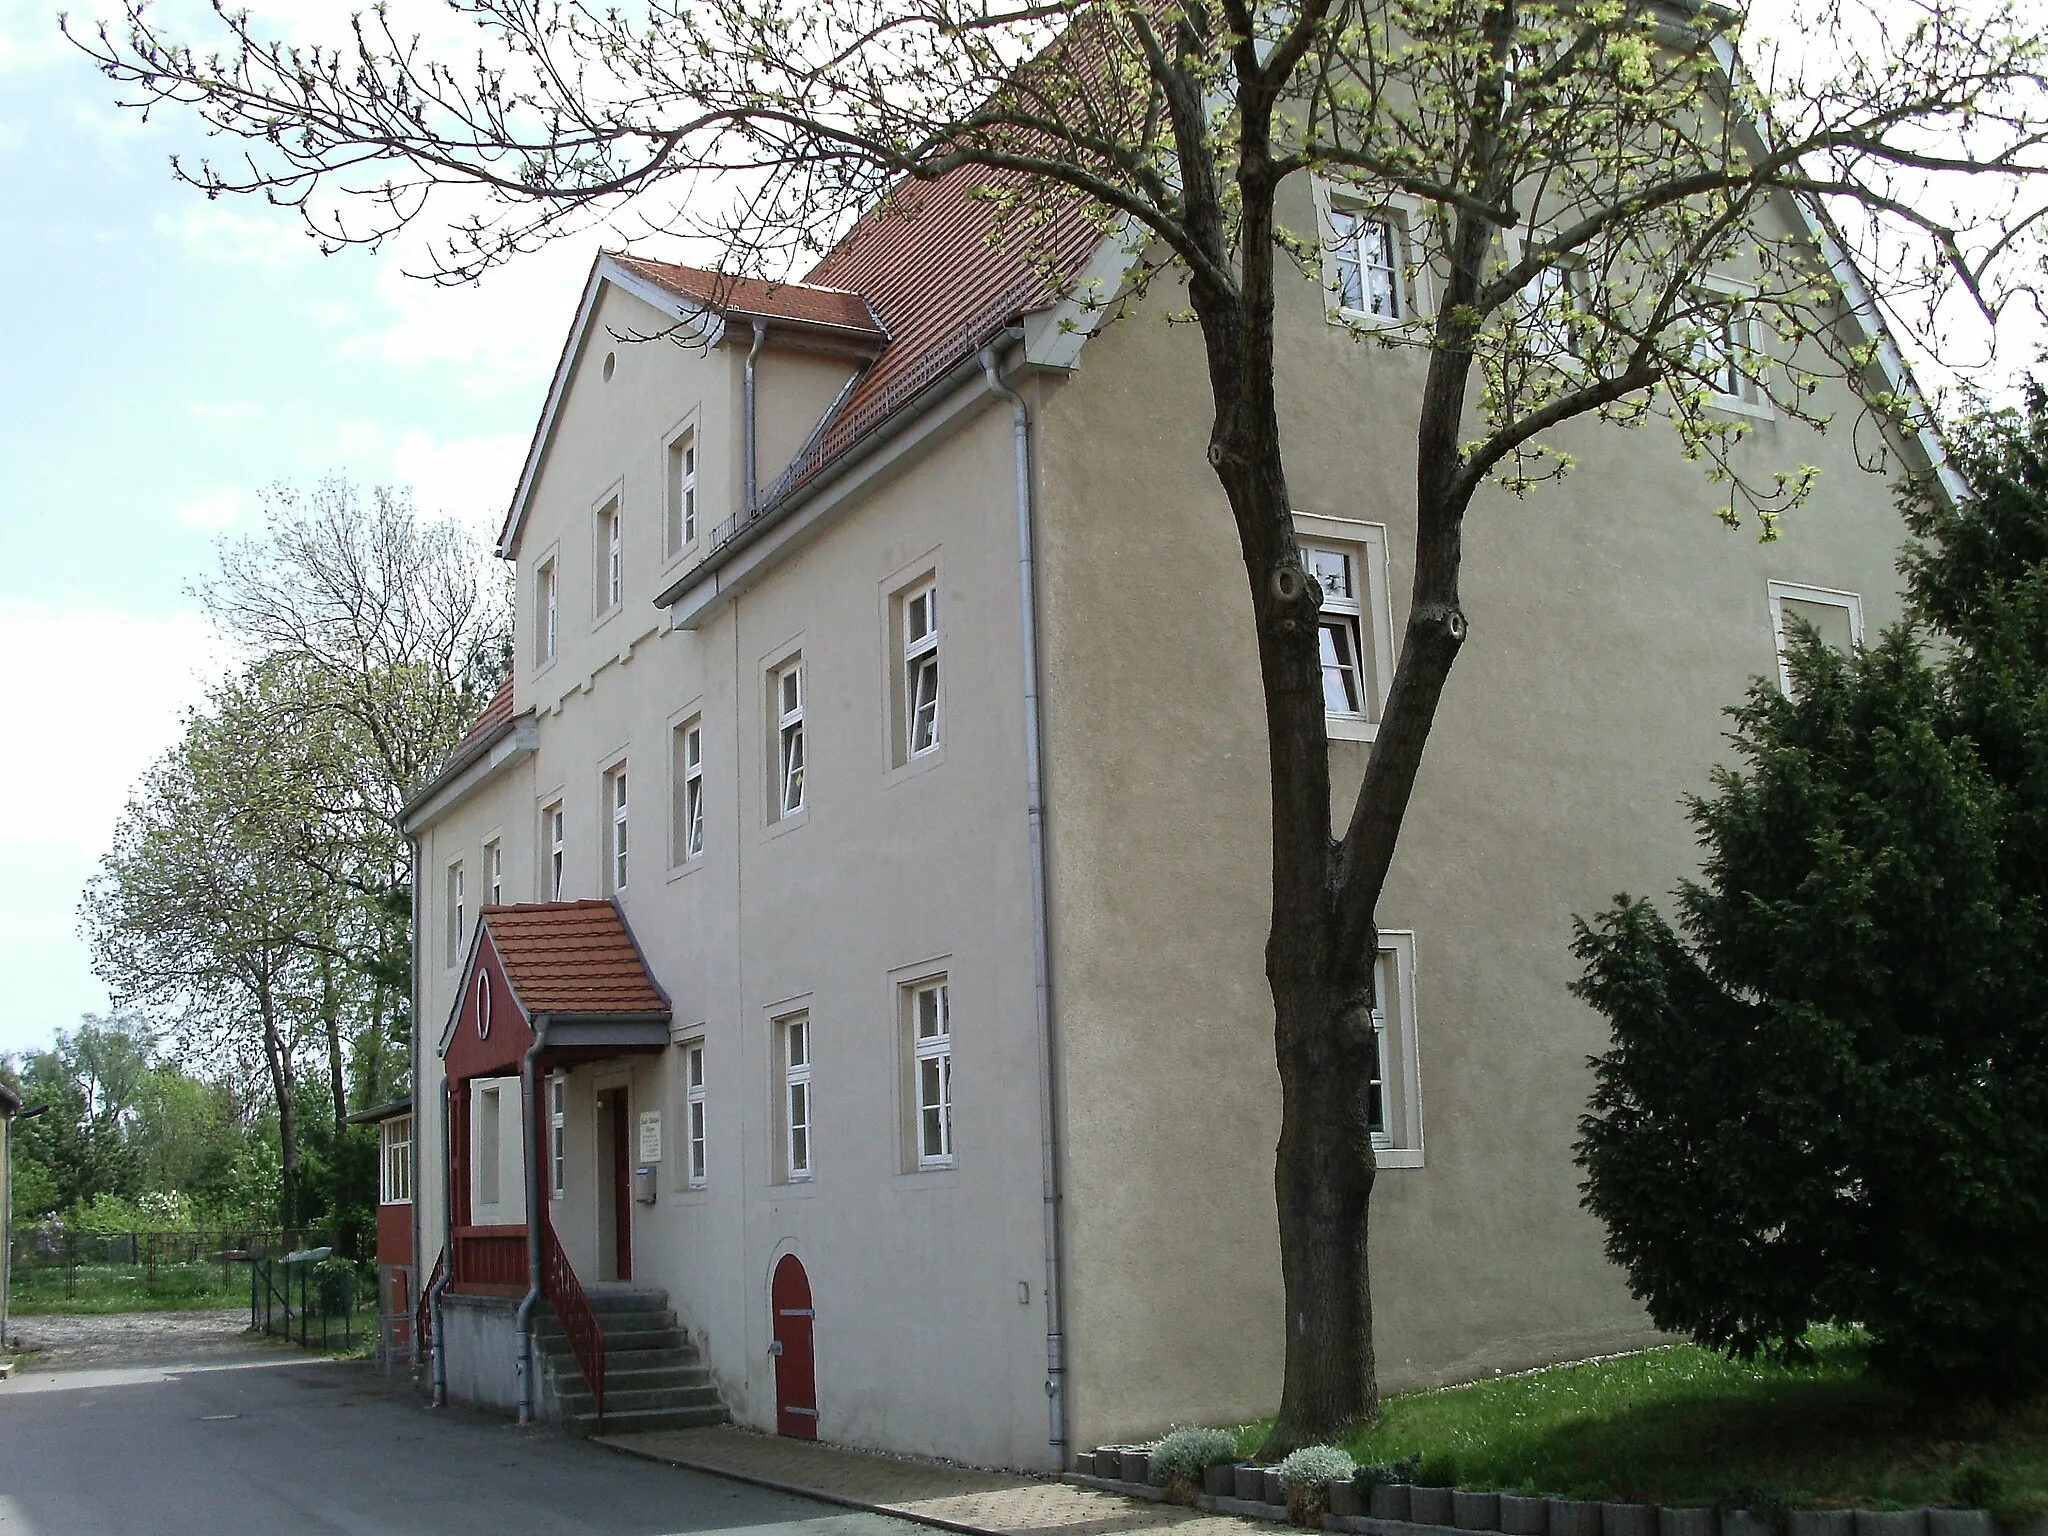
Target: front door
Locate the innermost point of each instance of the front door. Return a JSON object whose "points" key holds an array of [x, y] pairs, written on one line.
{"points": [[796, 1374], [615, 1187]]}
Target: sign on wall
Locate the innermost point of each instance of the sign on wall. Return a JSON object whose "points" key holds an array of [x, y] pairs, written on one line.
{"points": [[650, 1136]]}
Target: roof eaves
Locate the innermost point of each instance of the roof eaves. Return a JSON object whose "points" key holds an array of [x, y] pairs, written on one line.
{"points": [[477, 751], [381, 1112]]}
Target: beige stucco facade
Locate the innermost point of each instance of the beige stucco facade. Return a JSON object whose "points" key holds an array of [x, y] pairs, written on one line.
{"points": [[1613, 619]]}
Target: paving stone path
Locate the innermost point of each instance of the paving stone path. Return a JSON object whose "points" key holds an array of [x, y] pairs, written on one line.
{"points": [[955, 1498]]}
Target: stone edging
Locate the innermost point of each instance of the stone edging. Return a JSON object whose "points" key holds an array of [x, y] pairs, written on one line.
{"points": [[1253, 1492]]}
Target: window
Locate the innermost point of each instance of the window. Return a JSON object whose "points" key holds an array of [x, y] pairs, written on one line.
{"points": [[1367, 254], [1394, 1113], [394, 1179], [794, 1036], [558, 1135], [1723, 350], [494, 867], [687, 768], [693, 1091], [788, 695], [917, 666], [1355, 630], [454, 913], [615, 829], [545, 614], [610, 563], [931, 1054], [1836, 616], [682, 491], [552, 830], [488, 1131], [1547, 304]]}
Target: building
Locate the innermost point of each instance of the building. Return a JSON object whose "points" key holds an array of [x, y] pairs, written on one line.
{"points": [[10, 1106], [397, 1276], [755, 967]]}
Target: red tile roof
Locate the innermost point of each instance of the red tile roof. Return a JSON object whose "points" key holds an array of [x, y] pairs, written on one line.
{"points": [[496, 713], [927, 264], [572, 957], [803, 303]]}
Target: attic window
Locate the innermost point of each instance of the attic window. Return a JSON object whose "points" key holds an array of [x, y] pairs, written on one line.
{"points": [[611, 362]]}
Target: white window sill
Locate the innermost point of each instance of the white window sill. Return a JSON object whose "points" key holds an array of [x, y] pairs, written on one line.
{"points": [[1397, 1157], [689, 866], [789, 823], [1350, 728], [924, 762], [1365, 319], [928, 1178], [1735, 405], [606, 617]]}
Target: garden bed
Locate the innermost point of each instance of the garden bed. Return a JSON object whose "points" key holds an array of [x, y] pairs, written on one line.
{"points": [[1688, 1429]]}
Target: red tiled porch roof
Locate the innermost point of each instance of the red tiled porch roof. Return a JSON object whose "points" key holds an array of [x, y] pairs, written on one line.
{"points": [[571, 957], [750, 297]]}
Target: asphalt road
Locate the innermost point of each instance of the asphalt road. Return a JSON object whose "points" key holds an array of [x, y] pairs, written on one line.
{"points": [[252, 1439]]}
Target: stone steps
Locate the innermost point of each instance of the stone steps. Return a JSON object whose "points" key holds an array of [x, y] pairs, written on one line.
{"points": [[653, 1375]]}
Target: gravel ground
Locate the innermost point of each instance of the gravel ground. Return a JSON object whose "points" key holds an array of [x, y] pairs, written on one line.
{"points": [[132, 1338]]}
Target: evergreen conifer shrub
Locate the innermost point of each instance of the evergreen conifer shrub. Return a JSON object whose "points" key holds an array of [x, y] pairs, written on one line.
{"points": [[1827, 1095]]}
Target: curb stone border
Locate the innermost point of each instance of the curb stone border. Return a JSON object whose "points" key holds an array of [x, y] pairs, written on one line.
{"points": [[1531, 1516]]}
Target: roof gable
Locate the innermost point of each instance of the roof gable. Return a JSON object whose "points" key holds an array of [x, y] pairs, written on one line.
{"points": [[573, 957]]}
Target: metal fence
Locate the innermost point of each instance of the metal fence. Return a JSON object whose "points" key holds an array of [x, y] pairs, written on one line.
{"points": [[307, 1297], [50, 1263]]}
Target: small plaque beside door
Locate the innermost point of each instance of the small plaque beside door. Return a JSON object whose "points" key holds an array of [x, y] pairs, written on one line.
{"points": [[650, 1136]]}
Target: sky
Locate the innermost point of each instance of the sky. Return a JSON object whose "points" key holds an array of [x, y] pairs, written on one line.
{"points": [[163, 359]]}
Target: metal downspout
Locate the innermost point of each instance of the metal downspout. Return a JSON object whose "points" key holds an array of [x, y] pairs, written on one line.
{"points": [[413, 1081], [524, 1323], [753, 452], [1041, 968], [448, 1229]]}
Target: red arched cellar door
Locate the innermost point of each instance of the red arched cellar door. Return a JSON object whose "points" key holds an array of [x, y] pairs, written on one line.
{"points": [[796, 1374]]}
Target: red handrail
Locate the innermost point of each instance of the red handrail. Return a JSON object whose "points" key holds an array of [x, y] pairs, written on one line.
{"points": [[423, 1314], [564, 1292]]}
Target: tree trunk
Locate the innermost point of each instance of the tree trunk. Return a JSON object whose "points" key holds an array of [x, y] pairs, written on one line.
{"points": [[277, 1061], [330, 1024]]}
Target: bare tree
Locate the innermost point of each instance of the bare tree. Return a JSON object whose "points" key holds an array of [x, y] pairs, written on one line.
{"points": [[1580, 169]]}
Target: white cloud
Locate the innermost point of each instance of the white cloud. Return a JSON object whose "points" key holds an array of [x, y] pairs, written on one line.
{"points": [[29, 38], [98, 693], [217, 509], [268, 239], [470, 479], [226, 415]]}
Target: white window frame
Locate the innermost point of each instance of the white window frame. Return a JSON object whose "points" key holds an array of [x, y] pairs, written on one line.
{"points": [[617, 792], [609, 567], [494, 869], [558, 1134], [682, 461], [933, 1052], [1371, 610], [1742, 333], [1398, 1141], [548, 609], [921, 669], [1850, 602], [455, 914], [796, 1053], [686, 756], [787, 743], [1413, 295], [394, 1161], [1571, 272], [696, 1112], [554, 839], [490, 1149]]}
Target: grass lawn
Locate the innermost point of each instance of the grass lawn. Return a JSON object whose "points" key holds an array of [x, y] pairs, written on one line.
{"points": [[125, 1288], [1686, 1425]]}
